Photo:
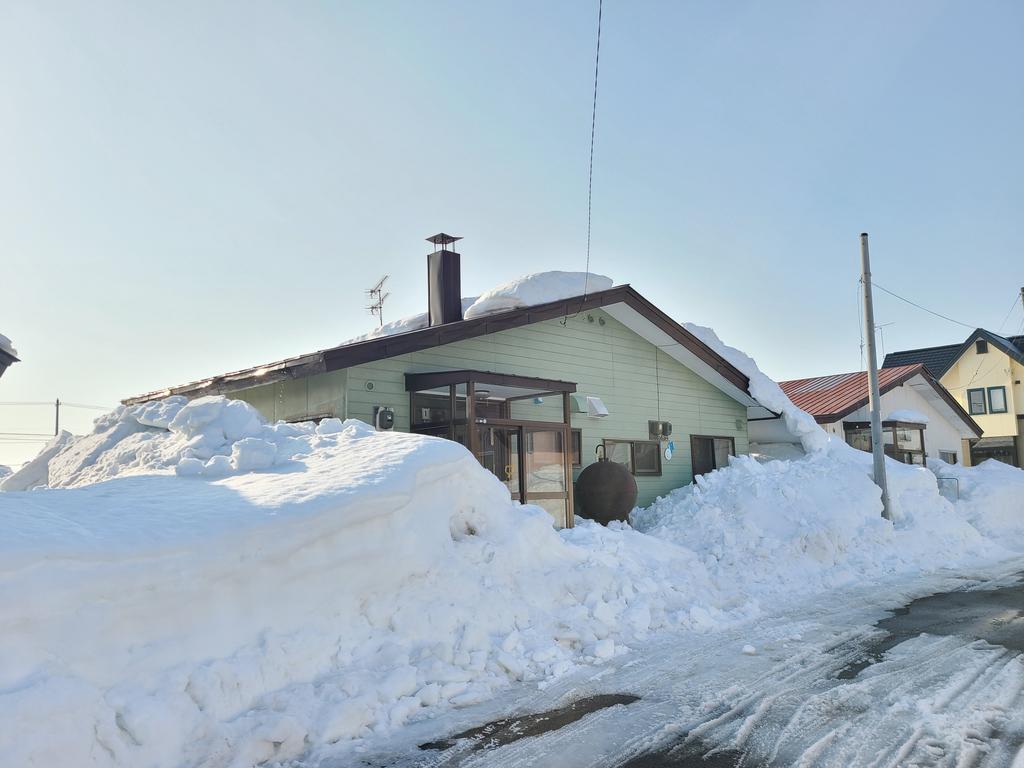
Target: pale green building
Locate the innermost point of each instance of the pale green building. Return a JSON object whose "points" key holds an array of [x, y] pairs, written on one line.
{"points": [[534, 392]]}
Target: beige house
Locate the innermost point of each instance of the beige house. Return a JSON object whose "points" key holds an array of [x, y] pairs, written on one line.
{"points": [[985, 374]]}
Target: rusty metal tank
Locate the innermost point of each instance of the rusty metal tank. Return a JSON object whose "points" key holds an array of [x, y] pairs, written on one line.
{"points": [[605, 490]]}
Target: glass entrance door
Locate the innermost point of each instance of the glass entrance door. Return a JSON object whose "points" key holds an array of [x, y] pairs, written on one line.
{"points": [[545, 463], [531, 462], [499, 452]]}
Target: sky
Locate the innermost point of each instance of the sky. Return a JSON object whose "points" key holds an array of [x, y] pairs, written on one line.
{"points": [[190, 188]]}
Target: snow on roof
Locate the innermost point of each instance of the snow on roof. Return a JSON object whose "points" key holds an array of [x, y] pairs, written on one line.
{"points": [[907, 414], [768, 393], [6, 346], [525, 291]]}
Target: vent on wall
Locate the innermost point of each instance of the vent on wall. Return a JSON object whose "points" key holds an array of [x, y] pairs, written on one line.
{"points": [[590, 405]]}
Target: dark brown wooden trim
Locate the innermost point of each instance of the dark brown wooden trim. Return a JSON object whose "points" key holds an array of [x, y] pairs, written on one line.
{"points": [[686, 339], [420, 381], [371, 350]]}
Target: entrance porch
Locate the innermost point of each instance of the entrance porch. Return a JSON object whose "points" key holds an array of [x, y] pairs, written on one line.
{"points": [[518, 427]]}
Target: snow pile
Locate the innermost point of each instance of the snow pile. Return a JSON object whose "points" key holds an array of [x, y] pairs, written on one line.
{"points": [[991, 496], [907, 414], [527, 291], [369, 579], [785, 527], [7, 346], [769, 394], [210, 436], [539, 288], [35, 473], [5, 471]]}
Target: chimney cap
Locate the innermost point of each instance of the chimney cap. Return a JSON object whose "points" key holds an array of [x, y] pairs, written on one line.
{"points": [[442, 239]]}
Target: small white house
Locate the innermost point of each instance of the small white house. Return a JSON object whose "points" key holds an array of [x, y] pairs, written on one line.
{"points": [[920, 419]]}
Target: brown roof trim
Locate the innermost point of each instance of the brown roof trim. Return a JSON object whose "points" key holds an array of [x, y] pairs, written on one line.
{"points": [[918, 368], [371, 350], [431, 379]]}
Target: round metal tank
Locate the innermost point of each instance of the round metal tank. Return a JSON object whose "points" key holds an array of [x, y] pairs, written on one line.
{"points": [[606, 491]]}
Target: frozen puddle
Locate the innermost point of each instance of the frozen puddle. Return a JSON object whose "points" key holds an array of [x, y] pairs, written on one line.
{"points": [[501, 732], [940, 683]]}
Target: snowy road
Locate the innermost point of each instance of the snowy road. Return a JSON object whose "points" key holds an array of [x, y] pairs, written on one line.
{"points": [[836, 681]]}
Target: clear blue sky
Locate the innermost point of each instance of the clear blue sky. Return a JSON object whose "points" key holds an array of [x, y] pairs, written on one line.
{"points": [[188, 188]]}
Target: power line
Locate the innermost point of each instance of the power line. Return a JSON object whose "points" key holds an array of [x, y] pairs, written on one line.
{"points": [[1009, 312], [590, 172], [915, 304], [593, 129]]}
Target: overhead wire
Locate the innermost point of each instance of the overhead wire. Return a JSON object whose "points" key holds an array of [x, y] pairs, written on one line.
{"points": [[590, 170]]}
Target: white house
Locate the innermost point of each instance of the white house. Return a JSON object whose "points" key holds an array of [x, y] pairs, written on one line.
{"points": [[920, 419]]}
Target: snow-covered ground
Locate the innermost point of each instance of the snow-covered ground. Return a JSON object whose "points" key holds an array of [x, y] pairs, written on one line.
{"points": [[189, 585]]}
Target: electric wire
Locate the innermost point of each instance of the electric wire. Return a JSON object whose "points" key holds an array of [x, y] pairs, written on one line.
{"points": [[915, 304], [590, 171]]}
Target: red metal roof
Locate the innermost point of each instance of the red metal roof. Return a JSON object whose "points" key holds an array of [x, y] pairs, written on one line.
{"points": [[828, 398]]}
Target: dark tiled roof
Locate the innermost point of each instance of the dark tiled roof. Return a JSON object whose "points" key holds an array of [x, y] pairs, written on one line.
{"points": [[938, 360], [828, 398]]}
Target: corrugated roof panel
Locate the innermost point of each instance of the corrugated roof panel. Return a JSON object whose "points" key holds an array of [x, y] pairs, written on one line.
{"points": [[825, 397]]}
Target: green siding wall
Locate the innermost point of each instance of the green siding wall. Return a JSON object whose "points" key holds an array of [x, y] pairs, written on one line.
{"points": [[636, 381], [296, 399]]}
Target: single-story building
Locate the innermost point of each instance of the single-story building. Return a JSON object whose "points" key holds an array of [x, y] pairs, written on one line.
{"points": [[920, 419], [535, 391]]}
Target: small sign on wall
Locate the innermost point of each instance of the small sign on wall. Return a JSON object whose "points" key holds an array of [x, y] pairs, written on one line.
{"points": [[669, 450]]}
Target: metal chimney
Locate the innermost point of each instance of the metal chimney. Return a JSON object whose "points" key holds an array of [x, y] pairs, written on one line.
{"points": [[444, 283]]}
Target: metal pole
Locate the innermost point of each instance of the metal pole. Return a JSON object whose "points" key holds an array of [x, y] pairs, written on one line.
{"points": [[874, 401], [56, 418]]}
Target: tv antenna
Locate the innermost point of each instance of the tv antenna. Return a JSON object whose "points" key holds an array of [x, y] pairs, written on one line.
{"points": [[377, 298]]}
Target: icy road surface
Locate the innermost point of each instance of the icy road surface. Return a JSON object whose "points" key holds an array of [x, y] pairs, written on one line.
{"points": [[845, 680]]}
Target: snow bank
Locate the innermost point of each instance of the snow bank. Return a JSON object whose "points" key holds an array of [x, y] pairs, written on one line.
{"points": [[35, 473], [811, 524], [907, 414], [991, 496], [769, 394], [527, 291], [188, 611]]}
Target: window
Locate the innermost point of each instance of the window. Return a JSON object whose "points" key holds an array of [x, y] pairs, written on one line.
{"points": [[576, 446], [710, 453], [901, 440], [647, 457], [997, 399], [640, 457], [981, 346], [976, 402], [948, 456], [619, 451]]}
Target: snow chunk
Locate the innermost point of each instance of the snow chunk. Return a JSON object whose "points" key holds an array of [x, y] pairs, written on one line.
{"points": [[907, 414], [539, 288]]}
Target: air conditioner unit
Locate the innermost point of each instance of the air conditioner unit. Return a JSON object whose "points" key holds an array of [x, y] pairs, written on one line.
{"points": [[659, 430]]}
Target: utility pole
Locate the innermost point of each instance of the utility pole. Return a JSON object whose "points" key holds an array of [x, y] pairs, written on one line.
{"points": [[56, 417], [874, 401]]}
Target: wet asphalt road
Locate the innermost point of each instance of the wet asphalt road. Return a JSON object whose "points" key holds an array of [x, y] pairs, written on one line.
{"points": [[995, 616]]}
